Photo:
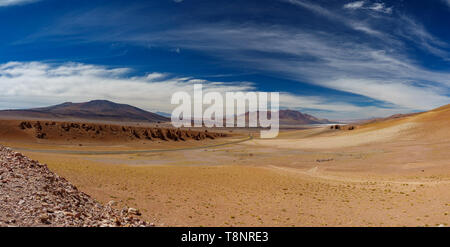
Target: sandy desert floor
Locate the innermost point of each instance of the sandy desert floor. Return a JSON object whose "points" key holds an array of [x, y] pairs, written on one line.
{"points": [[388, 173]]}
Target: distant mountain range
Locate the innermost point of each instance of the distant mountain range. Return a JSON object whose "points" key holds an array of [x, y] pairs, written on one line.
{"points": [[296, 117], [98, 110], [103, 110], [291, 117], [164, 114]]}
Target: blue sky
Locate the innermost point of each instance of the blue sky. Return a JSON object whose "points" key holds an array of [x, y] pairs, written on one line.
{"points": [[334, 59]]}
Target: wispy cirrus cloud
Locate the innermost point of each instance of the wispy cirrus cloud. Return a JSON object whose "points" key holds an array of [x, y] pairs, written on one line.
{"points": [[354, 5], [377, 6], [4, 3], [447, 2], [417, 33], [380, 7], [356, 25], [323, 59]]}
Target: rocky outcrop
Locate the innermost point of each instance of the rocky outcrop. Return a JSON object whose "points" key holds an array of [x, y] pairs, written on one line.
{"points": [[32, 195], [71, 130]]}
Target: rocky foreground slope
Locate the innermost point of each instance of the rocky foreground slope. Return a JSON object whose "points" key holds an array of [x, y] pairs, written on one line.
{"points": [[32, 195]]}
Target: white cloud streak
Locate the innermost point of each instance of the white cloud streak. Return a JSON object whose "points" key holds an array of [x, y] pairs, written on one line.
{"points": [[354, 5], [415, 32], [356, 25], [4, 3], [378, 7], [447, 2]]}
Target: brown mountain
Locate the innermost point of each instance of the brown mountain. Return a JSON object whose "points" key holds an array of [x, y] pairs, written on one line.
{"points": [[98, 110], [290, 117], [296, 117]]}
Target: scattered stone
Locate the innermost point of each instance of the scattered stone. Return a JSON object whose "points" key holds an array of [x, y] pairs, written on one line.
{"points": [[324, 160], [134, 211], [342, 127], [44, 218], [40, 135], [32, 195]]}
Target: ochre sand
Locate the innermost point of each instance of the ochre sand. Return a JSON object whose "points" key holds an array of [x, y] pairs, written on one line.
{"points": [[388, 173]]}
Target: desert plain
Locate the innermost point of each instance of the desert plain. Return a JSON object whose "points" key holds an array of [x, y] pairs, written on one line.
{"points": [[389, 172]]}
